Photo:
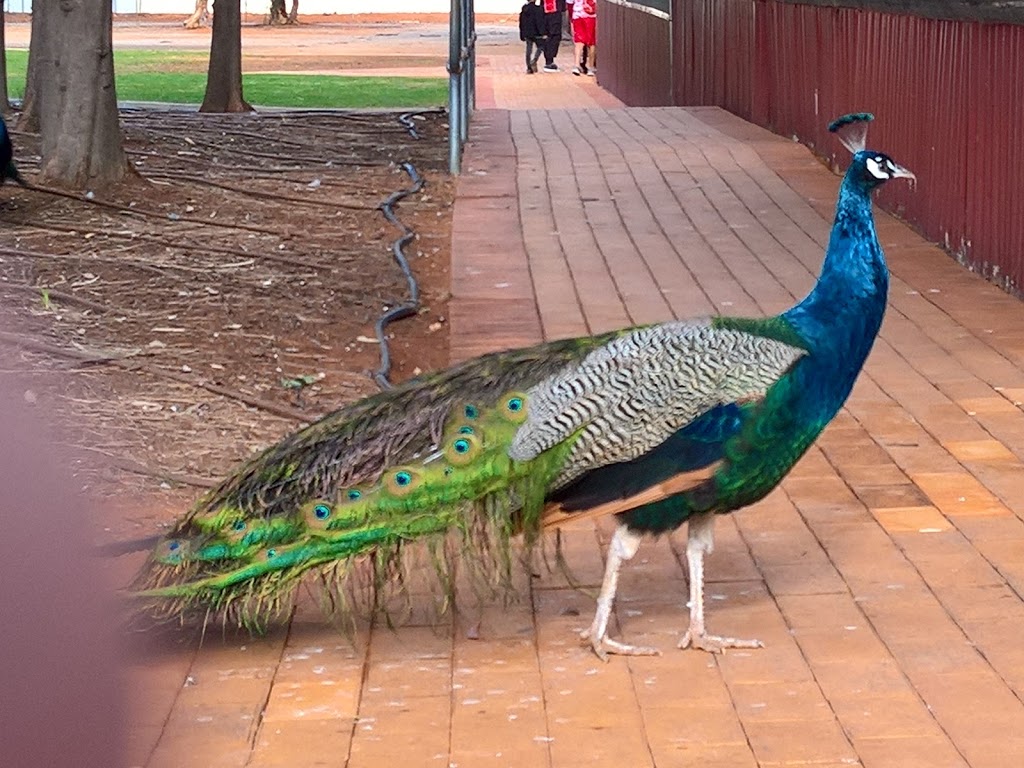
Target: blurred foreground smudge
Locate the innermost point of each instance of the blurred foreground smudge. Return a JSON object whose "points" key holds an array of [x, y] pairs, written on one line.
{"points": [[59, 641]]}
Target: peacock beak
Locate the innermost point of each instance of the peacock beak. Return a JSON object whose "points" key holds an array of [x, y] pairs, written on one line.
{"points": [[899, 172]]}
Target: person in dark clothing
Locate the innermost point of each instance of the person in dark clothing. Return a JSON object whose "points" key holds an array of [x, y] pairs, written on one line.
{"points": [[531, 29], [554, 12]]}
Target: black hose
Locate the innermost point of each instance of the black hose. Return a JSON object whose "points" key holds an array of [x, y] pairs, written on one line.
{"points": [[406, 308], [406, 120]]}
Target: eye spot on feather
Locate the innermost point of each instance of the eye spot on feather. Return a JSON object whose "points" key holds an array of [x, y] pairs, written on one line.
{"points": [[271, 553], [237, 531], [513, 408], [462, 449], [470, 411], [353, 494], [402, 481], [465, 429], [172, 551], [324, 514]]}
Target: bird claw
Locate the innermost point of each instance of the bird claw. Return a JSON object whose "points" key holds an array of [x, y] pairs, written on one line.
{"points": [[604, 645], [715, 643]]}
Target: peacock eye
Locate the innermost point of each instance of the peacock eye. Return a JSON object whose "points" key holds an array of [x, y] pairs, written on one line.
{"points": [[239, 525], [401, 481], [460, 451], [465, 430], [354, 494], [513, 407], [471, 411], [879, 167], [173, 546], [271, 553], [322, 511]]}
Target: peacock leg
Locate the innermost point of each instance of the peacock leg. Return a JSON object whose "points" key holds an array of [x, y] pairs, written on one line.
{"points": [[624, 545], [701, 541]]}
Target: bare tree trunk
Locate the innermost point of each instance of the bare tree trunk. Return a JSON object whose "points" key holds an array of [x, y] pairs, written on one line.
{"points": [[5, 100], [224, 76], [293, 15], [278, 14], [29, 120], [81, 135], [201, 16]]}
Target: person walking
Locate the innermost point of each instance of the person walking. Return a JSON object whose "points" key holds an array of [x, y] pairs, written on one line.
{"points": [[531, 30], [554, 10], [584, 35]]}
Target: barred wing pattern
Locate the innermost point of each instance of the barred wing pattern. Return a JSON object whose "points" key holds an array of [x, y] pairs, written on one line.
{"points": [[629, 396]]}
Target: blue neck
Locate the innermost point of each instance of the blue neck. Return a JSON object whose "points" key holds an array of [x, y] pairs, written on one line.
{"points": [[844, 310]]}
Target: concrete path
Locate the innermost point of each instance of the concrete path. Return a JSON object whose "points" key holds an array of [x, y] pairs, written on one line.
{"points": [[884, 577]]}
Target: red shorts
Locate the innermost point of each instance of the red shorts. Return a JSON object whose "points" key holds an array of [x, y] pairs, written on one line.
{"points": [[584, 30]]}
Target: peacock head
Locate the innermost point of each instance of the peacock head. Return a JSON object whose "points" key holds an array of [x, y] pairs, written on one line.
{"points": [[872, 169], [869, 169]]}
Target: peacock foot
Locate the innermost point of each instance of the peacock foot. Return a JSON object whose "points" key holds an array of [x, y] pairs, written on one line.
{"points": [[714, 643], [602, 646]]}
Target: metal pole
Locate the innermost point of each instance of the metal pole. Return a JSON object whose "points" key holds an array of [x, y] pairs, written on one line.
{"points": [[463, 75], [472, 58], [454, 89]]}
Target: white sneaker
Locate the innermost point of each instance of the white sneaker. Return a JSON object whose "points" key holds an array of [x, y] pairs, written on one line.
{"points": [[576, 71]]}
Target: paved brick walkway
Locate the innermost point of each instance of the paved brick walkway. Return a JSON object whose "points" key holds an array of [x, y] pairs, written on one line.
{"points": [[884, 577]]}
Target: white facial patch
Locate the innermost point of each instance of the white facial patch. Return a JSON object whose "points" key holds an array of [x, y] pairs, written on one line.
{"points": [[878, 167]]}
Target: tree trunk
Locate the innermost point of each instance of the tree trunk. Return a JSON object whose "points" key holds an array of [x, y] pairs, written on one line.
{"points": [[5, 101], [224, 77], [201, 16], [293, 15], [278, 14], [29, 120], [78, 119]]}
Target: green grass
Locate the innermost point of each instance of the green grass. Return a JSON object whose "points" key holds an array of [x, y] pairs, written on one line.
{"points": [[180, 76]]}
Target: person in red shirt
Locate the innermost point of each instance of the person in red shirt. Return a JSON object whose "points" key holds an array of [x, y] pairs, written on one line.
{"points": [[584, 35]]}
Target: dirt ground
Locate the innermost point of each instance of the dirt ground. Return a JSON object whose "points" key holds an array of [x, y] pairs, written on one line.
{"points": [[177, 324]]}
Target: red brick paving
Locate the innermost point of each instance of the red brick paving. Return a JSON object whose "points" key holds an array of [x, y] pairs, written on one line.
{"points": [[885, 575]]}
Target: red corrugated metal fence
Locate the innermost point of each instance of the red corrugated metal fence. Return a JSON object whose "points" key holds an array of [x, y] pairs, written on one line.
{"points": [[637, 47]]}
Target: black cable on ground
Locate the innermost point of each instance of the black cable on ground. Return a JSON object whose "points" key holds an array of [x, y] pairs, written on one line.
{"points": [[412, 306], [406, 120]]}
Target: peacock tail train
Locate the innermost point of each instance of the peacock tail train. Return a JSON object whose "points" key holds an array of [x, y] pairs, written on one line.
{"points": [[420, 459]]}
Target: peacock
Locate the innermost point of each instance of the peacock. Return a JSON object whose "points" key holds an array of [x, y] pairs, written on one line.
{"points": [[7, 169], [658, 425]]}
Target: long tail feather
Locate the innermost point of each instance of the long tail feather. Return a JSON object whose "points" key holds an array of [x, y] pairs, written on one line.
{"points": [[410, 464]]}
